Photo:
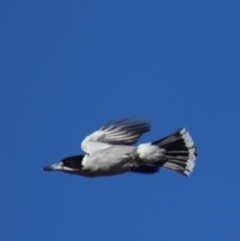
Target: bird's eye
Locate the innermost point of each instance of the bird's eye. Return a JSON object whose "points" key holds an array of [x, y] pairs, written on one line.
{"points": [[66, 162]]}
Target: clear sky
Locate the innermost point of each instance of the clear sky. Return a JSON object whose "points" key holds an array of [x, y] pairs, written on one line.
{"points": [[67, 67]]}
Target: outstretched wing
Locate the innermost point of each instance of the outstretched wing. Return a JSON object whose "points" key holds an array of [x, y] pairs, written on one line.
{"points": [[123, 132]]}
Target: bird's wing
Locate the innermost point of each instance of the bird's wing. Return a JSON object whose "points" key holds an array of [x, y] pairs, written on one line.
{"points": [[122, 132]]}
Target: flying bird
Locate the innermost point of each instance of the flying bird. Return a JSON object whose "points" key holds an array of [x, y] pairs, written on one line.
{"points": [[110, 151]]}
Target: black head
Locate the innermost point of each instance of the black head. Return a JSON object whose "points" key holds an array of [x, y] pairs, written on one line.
{"points": [[73, 162], [68, 164]]}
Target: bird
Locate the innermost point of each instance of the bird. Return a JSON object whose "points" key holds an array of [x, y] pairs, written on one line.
{"points": [[110, 151]]}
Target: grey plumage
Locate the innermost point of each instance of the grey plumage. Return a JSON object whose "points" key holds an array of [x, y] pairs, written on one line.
{"points": [[109, 151]]}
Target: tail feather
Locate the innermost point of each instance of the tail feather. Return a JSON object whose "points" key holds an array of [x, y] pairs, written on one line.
{"points": [[180, 152]]}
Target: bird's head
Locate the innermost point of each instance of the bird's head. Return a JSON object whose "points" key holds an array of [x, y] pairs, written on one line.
{"points": [[72, 164]]}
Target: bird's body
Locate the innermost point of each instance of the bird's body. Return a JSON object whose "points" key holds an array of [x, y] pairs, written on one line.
{"points": [[109, 151], [119, 160]]}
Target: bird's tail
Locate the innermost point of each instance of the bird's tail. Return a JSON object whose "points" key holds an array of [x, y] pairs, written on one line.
{"points": [[180, 152]]}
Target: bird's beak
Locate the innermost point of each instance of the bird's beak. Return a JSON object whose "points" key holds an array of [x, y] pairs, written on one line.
{"points": [[53, 167]]}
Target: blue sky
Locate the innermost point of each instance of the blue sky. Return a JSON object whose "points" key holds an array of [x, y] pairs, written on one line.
{"points": [[67, 67]]}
